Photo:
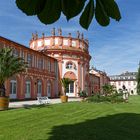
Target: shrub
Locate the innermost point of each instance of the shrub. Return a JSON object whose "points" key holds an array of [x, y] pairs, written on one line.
{"points": [[82, 94], [115, 98]]}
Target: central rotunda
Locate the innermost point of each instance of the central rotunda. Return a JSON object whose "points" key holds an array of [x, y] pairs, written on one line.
{"points": [[72, 56]]}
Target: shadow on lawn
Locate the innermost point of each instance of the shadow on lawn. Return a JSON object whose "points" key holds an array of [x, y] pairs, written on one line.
{"points": [[125, 126], [27, 106]]}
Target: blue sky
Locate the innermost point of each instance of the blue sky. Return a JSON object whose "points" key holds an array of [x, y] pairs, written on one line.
{"points": [[114, 49]]}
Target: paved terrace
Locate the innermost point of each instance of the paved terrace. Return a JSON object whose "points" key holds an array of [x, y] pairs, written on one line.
{"points": [[18, 104]]}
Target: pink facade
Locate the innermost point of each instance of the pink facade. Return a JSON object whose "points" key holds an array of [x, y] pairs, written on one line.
{"points": [[72, 56], [40, 79], [99, 79], [51, 58]]}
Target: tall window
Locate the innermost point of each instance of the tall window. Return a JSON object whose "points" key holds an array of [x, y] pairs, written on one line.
{"points": [[22, 54], [29, 59], [49, 89], [70, 88], [13, 87], [40, 63], [56, 68], [39, 87], [27, 88], [49, 65]]}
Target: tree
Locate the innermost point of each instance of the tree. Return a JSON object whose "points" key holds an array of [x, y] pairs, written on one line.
{"points": [[65, 82], [49, 11], [9, 66], [138, 81]]}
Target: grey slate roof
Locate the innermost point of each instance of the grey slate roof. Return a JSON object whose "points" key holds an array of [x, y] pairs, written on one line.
{"points": [[127, 76]]}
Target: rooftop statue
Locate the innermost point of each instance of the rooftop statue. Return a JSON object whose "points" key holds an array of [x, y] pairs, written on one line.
{"points": [[69, 34], [78, 34], [59, 32], [53, 32]]}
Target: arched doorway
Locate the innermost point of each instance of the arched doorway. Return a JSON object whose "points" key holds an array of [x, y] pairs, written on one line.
{"points": [[70, 91]]}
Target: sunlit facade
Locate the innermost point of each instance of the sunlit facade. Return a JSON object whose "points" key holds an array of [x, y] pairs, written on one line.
{"points": [[128, 79], [51, 58], [72, 56]]}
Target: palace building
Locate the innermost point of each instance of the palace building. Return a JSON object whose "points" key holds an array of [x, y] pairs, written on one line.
{"points": [[40, 79], [72, 56], [127, 79], [51, 58], [99, 79]]}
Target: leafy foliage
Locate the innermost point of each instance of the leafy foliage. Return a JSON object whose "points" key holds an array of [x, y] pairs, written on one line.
{"points": [[138, 81], [110, 94], [87, 15], [82, 94], [65, 82], [9, 66], [109, 89], [49, 11], [114, 98]]}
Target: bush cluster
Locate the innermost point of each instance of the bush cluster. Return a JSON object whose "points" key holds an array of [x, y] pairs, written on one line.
{"points": [[115, 98]]}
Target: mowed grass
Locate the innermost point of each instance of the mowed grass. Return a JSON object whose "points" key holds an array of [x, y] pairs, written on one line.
{"points": [[73, 121]]}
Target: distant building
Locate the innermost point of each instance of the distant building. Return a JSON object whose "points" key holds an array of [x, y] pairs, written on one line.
{"points": [[100, 78], [128, 79], [94, 83]]}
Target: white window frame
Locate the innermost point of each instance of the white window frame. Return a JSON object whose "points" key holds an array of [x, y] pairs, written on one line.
{"points": [[49, 89], [29, 59], [69, 87], [39, 88], [28, 90], [69, 65], [12, 94]]}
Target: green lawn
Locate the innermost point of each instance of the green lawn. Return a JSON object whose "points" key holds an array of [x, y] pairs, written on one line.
{"points": [[73, 121]]}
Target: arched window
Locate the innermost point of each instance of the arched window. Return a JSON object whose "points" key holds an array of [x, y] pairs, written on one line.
{"points": [[70, 65]]}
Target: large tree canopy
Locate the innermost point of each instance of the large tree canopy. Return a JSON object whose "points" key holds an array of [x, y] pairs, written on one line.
{"points": [[49, 11]]}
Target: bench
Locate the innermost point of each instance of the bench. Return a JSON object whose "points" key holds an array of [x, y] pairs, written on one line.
{"points": [[43, 100]]}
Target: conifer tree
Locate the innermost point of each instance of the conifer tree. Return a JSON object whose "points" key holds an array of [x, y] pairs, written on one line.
{"points": [[138, 80]]}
